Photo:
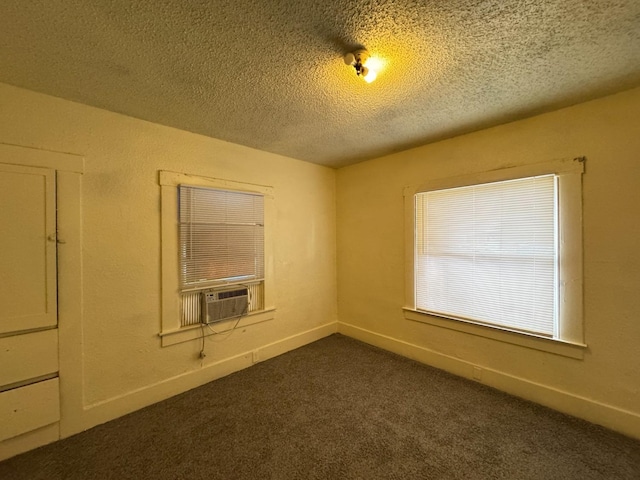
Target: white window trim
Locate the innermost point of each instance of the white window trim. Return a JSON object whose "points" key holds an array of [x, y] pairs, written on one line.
{"points": [[171, 332], [571, 342]]}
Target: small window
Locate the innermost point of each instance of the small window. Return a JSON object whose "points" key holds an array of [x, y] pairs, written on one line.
{"points": [[221, 244], [217, 242], [221, 236], [501, 250]]}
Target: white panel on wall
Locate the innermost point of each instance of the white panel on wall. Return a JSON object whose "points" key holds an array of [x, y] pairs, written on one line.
{"points": [[27, 248]]}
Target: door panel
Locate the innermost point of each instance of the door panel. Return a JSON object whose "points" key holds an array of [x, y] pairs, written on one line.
{"points": [[27, 249]]}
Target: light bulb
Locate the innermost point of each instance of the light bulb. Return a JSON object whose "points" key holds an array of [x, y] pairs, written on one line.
{"points": [[374, 65], [370, 76], [349, 59]]}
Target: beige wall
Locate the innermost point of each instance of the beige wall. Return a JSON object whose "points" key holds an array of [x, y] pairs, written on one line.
{"points": [[604, 386], [121, 365], [111, 358]]}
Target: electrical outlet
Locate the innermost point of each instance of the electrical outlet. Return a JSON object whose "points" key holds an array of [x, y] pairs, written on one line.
{"points": [[477, 373], [255, 356]]}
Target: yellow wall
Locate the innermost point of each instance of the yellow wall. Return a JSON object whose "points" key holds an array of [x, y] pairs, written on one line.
{"points": [[121, 364], [114, 361], [604, 386]]}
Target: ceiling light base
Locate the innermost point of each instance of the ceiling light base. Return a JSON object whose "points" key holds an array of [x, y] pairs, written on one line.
{"points": [[357, 59]]}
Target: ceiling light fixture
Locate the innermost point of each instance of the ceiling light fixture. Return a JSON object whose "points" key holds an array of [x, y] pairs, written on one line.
{"points": [[358, 60]]}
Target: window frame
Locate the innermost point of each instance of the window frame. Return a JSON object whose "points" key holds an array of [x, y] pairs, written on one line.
{"points": [[171, 332], [570, 341]]}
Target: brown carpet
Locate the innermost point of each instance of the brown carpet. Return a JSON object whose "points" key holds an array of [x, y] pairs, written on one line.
{"points": [[337, 409]]}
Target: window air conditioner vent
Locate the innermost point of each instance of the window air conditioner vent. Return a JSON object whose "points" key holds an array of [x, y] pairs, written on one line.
{"points": [[219, 305]]}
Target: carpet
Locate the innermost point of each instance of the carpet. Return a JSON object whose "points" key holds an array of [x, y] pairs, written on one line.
{"points": [[337, 409]]}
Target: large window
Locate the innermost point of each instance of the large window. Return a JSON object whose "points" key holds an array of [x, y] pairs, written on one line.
{"points": [[488, 253], [502, 250]]}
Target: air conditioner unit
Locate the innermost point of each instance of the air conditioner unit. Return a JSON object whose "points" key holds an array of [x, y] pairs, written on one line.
{"points": [[219, 305]]}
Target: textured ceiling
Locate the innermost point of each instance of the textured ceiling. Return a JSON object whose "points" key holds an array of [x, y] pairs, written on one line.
{"points": [[270, 74]]}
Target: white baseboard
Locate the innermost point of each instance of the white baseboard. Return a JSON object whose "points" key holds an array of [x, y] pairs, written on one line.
{"points": [[623, 421], [113, 408]]}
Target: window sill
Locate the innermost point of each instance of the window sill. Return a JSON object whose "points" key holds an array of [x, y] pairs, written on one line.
{"points": [[194, 332], [557, 347]]}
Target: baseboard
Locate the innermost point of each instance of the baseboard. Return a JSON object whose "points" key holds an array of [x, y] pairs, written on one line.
{"points": [[113, 408], [623, 421]]}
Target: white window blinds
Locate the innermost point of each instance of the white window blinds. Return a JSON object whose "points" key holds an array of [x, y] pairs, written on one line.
{"points": [[488, 253], [221, 236]]}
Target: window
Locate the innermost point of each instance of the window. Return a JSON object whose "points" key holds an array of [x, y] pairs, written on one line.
{"points": [[488, 253], [502, 250], [221, 236], [215, 241], [221, 244]]}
